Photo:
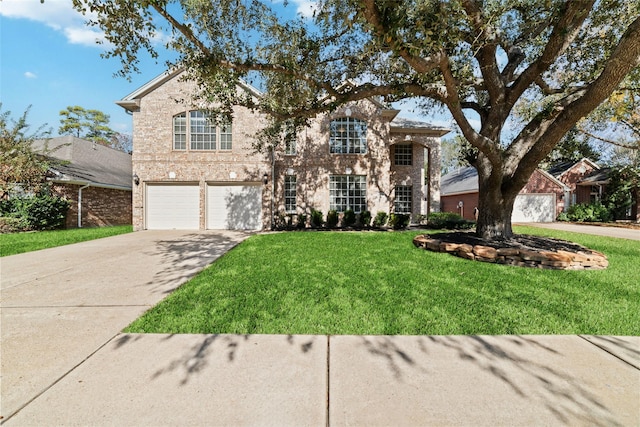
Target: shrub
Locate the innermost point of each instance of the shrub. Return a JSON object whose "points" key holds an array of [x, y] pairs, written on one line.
{"points": [[364, 219], [380, 219], [594, 212], [316, 218], [448, 221], [39, 212], [332, 219], [302, 221], [348, 218], [399, 221]]}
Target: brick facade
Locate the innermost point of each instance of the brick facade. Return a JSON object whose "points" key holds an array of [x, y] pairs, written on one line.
{"points": [[156, 161], [540, 182], [100, 206]]}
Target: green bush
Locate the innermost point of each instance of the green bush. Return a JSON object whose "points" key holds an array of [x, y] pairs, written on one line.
{"points": [[302, 221], [380, 220], [594, 212], [399, 221], [316, 218], [39, 212], [348, 218], [364, 219], [448, 221], [332, 219]]}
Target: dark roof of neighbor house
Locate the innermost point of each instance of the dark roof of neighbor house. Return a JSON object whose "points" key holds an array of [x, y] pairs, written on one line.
{"points": [[465, 180], [462, 180], [599, 176], [401, 123], [79, 161], [560, 168]]}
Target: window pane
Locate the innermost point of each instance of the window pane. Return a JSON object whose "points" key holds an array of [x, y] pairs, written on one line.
{"points": [[348, 192], [403, 155], [225, 137], [180, 132], [347, 136], [403, 198], [203, 132], [290, 193]]}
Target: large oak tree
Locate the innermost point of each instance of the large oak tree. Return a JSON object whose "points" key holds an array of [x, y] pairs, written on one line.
{"points": [[477, 58]]}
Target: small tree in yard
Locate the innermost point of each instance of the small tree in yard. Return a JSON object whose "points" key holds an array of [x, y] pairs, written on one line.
{"points": [[479, 59], [19, 164]]}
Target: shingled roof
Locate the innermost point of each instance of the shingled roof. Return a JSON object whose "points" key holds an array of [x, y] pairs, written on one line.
{"points": [[82, 162]]}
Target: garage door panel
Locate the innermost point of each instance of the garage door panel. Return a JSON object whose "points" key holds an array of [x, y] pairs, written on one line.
{"points": [[534, 208], [171, 207], [234, 207]]}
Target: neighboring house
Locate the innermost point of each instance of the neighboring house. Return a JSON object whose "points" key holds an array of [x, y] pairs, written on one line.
{"points": [[196, 175], [541, 199], [572, 174], [95, 179], [546, 195]]}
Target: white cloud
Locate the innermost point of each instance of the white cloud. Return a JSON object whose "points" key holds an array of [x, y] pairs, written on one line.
{"points": [[306, 8], [30, 75], [56, 14], [83, 35]]}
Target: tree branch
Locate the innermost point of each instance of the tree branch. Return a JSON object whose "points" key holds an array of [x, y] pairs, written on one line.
{"points": [[566, 28]]}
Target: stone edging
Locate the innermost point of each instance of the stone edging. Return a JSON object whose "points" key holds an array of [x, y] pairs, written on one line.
{"points": [[585, 259]]}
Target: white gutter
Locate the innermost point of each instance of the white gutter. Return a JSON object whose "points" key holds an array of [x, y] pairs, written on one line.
{"points": [[80, 204]]}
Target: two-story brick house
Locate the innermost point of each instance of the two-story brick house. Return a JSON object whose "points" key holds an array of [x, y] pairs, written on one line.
{"points": [[192, 174]]}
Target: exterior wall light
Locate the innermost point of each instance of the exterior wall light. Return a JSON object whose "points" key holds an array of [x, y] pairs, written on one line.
{"points": [[265, 178], [136, 179]]}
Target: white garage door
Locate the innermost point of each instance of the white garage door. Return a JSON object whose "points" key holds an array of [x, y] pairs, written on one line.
{"points": [[173, 206], [234, 207], [534, 208]]}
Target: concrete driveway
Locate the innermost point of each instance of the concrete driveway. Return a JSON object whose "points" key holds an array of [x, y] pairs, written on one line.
{"points": [[58, 306], [597, 230]]}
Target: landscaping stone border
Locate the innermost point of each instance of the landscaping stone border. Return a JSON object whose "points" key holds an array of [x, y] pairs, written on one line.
{"points": [[518, 255]]}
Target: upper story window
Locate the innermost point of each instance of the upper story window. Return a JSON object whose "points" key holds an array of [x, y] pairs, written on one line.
{"points": [[403, 155], [348, 136], [201, 133], [290, 137]]}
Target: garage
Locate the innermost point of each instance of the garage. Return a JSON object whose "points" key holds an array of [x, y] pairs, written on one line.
{"points": [[173, 207], [234, 207], [534, 208]]}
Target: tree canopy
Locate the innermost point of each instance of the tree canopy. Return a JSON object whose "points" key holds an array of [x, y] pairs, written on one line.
{"points": [[19, 163], [88, 124], [478, 59]]}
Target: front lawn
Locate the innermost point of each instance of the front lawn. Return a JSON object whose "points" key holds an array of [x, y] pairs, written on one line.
{"points": [[379, 283], [17, 243]]}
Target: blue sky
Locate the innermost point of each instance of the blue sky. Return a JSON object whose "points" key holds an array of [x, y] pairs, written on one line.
{"points": [[49, 60]]}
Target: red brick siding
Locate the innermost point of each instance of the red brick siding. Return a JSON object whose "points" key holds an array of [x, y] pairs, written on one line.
{"points": [[450, 204], [100, 206]]}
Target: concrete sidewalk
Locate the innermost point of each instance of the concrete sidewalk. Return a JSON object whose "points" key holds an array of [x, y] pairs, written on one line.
{"points": [[275, 380], [65, 361]]}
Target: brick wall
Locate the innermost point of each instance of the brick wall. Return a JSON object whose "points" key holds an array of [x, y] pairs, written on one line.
{"points": [[469, 201], [100, 206]]}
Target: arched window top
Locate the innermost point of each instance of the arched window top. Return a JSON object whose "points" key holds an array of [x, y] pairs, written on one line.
{"points": [[347, 135]]}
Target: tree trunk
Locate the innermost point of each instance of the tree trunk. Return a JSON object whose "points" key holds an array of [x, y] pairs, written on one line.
{"points": [[495, 207]]}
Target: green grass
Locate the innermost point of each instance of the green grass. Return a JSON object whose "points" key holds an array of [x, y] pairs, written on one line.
{"points": [[17, 243], [379, 283]]}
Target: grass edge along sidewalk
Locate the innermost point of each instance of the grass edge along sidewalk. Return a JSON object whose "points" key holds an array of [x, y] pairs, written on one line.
{"points": [[380, 284], [17, 243]]}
